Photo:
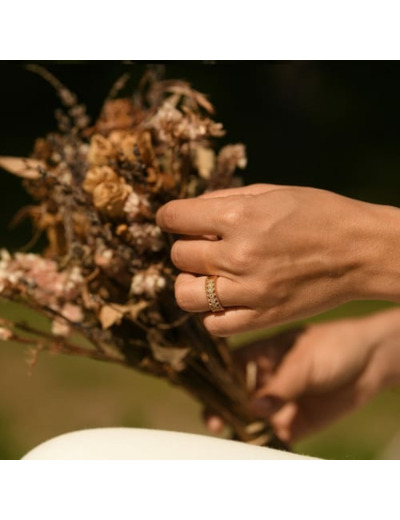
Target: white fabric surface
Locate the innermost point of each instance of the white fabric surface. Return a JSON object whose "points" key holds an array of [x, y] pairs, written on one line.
{"points": [[142, 444]]}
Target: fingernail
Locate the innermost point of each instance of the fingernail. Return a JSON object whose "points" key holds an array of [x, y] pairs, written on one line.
{"points": [[265, 406]]}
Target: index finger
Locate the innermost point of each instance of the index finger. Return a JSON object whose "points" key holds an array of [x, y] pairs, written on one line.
{"points": [[191, 217]]}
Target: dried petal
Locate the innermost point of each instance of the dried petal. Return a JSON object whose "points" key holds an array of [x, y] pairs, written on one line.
{"points": [[111, 315], [22, 167], [205, 161]]}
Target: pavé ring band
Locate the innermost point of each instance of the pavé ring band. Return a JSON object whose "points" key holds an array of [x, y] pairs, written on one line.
{"points": [[211, 293]]}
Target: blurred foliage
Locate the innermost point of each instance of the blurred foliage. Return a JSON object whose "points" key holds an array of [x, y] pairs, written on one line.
{"points": [[330, 125]]}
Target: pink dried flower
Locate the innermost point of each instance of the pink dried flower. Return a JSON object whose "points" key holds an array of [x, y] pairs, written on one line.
{"points": [[5, 334], [71, 313]]}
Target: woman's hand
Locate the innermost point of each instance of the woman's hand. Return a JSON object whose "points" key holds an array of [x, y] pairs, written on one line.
{"points": [[330, 369], [281, 253]]}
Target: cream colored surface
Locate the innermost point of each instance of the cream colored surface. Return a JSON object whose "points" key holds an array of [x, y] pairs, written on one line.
{"points": [[141, 444]]}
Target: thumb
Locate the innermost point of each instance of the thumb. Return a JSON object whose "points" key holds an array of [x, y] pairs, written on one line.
{"points": [[288, 383]]}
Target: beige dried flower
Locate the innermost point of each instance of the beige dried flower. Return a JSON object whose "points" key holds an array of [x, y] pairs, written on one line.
{"points": [[100, 150], [110, 198], [97, 175], [128, 148], [231, 157]]}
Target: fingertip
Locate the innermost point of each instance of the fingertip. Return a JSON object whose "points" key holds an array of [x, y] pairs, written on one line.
{"points": [[266, 406], [214, 424]]}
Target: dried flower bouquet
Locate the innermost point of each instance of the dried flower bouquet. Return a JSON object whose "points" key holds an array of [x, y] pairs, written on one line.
{"points": [[105, 279]]}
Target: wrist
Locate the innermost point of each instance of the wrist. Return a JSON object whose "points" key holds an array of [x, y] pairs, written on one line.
{"points": [[382, 331], [376, 252]]}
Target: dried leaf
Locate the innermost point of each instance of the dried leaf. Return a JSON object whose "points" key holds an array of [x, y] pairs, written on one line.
{"points": [[136, 308], [22, 167], [205, 161], [111, 315], [171, 355]]}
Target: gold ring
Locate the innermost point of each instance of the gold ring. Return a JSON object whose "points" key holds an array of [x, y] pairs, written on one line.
{"points": [[211, 293]]}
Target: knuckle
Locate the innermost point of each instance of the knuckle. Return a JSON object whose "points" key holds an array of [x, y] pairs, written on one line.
{"points": [[232, 214], [243, 258]]}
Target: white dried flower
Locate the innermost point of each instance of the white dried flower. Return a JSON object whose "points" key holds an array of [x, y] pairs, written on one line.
{"points": [[60, 328], [74, 280], [147, 283], [146, 237], [136, 205]]}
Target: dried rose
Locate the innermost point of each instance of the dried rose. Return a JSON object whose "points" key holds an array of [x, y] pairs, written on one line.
{"points": [[110, 198], [100, 150], [97, 175]]}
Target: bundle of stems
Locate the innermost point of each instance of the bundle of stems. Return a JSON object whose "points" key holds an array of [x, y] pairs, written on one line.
{"points": [[105, 279]]}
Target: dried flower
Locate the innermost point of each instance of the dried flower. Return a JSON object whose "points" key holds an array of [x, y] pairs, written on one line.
{"points": [[72, 314], [110, 198], [98, 174], [146, 237], [204, 159], [147, 283], [100, 151], [5, 334], [136, 206]]}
